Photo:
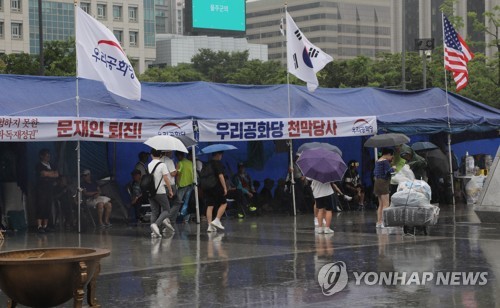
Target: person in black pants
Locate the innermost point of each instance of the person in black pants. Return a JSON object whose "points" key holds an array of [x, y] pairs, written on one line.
{"points": [[46, 178]]}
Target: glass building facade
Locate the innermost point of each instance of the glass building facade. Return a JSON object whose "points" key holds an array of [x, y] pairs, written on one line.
{"points": [[59, 22], [149, 23]]}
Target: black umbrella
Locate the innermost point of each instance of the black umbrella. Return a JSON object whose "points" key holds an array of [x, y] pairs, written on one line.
{"points": [[438, 162], [424, 146], [386, 140]]}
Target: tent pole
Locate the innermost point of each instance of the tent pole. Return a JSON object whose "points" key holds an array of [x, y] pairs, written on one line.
{"points": [[195, 178], [292, 180], [451, 176], [196, 136]]}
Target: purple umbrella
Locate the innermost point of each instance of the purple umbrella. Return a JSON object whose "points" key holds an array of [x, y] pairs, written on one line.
{"points": [[322, 165]]}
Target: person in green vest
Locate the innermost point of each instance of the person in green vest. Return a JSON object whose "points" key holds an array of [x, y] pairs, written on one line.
{"points": [[185, 181]]}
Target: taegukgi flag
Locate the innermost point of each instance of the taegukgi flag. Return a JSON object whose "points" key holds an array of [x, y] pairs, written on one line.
{"points": [[304, 59], [100, 57]]}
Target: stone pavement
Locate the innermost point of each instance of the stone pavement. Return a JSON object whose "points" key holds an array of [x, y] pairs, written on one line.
{"points": [[274, 261]]}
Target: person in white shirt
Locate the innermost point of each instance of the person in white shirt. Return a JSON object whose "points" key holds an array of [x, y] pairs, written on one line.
{"points": [[160, 204], [324, 204], [175, 203]]}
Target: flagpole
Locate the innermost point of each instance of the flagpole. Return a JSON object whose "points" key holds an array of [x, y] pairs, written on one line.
{"points": [[290, 143], [449, 124], [78, 153]]}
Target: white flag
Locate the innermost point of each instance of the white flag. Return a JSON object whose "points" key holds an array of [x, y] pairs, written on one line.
{"points": [[100, 57], [304, 59]]}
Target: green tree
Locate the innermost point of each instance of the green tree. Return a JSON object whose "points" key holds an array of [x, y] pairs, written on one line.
{"points": [[216, 66], [181, 73], [491, 27], [60, 58], [257, 72], [20, 64]]}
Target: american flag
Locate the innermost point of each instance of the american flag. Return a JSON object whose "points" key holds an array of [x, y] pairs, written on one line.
{"points": [[456, 54]]}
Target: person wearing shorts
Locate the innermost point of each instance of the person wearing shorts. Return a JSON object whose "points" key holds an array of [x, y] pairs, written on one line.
{"points": [[323, 193], [381, 187], [92, 193], [216, 197]]}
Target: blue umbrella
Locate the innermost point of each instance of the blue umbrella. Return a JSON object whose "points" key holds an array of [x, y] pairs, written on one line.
{"points": [[322, 165], [217, 148]]}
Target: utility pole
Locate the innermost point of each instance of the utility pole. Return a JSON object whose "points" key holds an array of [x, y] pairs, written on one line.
{"points": [[426, 45]]}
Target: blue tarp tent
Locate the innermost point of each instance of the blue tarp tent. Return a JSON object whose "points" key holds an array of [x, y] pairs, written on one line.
{"points": [[410, 112]]}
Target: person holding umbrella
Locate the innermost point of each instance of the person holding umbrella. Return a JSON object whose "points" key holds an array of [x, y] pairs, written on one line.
{"points": [[160, 205], [323, 193], [382, 174], [324, 168]]}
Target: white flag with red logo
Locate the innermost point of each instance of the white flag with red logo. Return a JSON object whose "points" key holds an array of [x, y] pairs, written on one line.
{"points": [[100, 57], [304, 59]]}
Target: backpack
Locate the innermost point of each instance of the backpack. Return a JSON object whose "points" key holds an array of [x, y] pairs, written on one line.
{"points": [[208, 179], [147, 184]]}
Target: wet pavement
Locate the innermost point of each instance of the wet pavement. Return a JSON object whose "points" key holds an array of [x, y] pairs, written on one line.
{"points": [[274, 261]]}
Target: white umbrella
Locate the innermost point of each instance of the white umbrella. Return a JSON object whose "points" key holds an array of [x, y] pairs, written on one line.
{"points": [[166, 143]]}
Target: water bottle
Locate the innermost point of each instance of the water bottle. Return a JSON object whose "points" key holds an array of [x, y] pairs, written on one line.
{"points": [[469, 164]]}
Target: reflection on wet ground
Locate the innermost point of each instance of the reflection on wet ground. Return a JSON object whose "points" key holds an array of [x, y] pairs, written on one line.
{"points": [[274, 261]]}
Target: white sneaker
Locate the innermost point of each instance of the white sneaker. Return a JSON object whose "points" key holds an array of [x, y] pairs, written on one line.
{"points": [[216, 223], [155, 229], [327, 230], [211, 228], [318, 230], [153, 235], [168, 225], [316, 222], [347, 198], [379, 225], [339, 209]]}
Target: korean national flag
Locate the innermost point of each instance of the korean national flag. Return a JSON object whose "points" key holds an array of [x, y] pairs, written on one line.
{"points": [[304, 59], [100, 57]]}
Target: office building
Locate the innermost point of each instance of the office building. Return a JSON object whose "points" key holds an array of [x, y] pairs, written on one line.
{"points": [[341, 28], [132, 22], [169, 16], [349, 28], [174, 49]]}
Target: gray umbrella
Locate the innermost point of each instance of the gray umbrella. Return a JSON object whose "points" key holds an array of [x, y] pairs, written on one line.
{"points": [[186, 140], [386, 140], [322, 145], [423, 146]]}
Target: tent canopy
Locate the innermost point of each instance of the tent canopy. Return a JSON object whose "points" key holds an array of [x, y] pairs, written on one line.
{"points": [[409, 112]]}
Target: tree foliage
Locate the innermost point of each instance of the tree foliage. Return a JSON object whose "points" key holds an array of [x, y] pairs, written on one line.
{"points": [[491, 27], [60, 58], [224, 67], [19, 63]]}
